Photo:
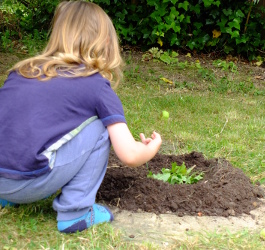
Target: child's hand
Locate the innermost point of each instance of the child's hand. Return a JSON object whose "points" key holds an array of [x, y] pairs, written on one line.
{"points": [[145, 140], [154, 136], [133, 153]]}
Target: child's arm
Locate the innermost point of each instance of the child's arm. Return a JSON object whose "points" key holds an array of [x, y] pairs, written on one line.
{"points": [[133, 153]]}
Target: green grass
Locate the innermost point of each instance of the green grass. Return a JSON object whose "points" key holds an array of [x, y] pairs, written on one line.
{"points": [[219, 113], [229, 125], [221, 241], [34, 226]]}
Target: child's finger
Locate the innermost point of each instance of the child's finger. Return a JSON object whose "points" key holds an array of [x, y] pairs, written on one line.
{"points": [[145, 140], [142, 137]]}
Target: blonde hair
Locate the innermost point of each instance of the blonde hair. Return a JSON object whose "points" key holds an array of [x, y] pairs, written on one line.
{"points": [[83, 42]]}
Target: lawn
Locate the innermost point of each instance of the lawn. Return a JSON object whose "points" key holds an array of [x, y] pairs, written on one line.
{"points": [[216, 107]]}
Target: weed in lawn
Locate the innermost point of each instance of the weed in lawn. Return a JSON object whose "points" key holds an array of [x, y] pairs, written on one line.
{"points": [[160, 55], [221, 86], [196, 64], [206, 74], [152, 53], [183, 65], [226, 66]]}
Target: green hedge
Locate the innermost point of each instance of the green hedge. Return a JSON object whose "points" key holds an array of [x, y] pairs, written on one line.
{"points": [[197, 25], [203, 26]]}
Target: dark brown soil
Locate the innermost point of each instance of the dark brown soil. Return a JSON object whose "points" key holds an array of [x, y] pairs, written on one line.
{"points": [[224, 190]]}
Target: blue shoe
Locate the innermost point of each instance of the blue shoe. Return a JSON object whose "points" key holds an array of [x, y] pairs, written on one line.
{"points": [[97, 214], [4, 203]]}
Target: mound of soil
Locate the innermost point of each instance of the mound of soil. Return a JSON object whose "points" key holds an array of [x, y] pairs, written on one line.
{"points": [[224, 190]]}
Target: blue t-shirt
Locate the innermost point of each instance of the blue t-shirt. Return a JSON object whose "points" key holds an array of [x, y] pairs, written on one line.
{"points": [[36, 114]]}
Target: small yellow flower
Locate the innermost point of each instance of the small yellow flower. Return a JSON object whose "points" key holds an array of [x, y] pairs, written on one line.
{"points": [[216, 33]]}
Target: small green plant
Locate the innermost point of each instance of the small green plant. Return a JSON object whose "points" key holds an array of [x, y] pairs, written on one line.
{"points": [[225, 65], [183, 65], [207, 74], [160, 55], [177, 175]]}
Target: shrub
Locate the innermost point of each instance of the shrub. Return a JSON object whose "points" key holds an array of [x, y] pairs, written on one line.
{"points": [[230, 27], [201, 26]]}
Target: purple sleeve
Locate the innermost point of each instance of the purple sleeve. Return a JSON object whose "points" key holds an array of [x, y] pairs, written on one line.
{"points": [[109, 107]]}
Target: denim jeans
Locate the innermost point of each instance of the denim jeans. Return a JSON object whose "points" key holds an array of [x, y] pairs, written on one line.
{"points": [[79, 169]]}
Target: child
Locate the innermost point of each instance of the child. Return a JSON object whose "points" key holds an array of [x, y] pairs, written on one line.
{"points": [[59, 116]]}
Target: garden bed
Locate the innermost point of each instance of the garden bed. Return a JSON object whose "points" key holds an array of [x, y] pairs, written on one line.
{"points": [[224, 190]]}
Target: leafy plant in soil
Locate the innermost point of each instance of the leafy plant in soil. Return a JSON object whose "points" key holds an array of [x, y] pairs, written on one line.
{"points": [[177, 175], [224, 190]]}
